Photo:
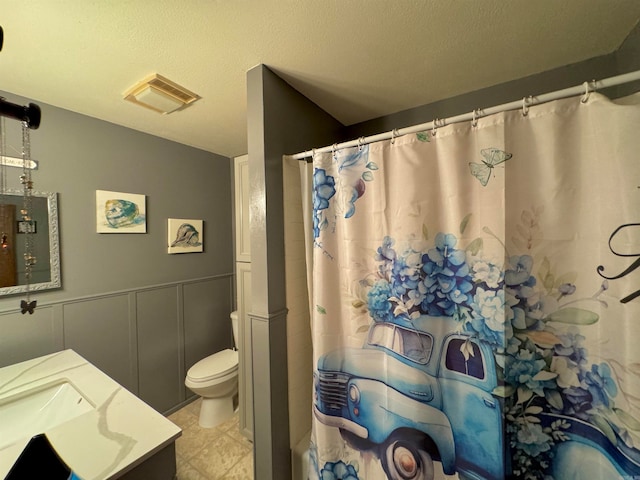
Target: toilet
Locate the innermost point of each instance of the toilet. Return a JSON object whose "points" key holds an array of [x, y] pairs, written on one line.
{"points": [[215, 379]]}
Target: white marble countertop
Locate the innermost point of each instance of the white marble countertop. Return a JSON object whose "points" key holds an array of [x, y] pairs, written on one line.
{"points": [[117, 434]]}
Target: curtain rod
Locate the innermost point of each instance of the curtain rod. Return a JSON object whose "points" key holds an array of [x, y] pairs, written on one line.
{"points": [[30, 114], [525, 103]]}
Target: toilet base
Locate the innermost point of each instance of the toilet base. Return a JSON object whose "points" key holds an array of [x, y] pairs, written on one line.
{"points": [[214, 411]]}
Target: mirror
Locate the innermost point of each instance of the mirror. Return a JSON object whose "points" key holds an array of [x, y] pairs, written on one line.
{"points": [[46, 247]]}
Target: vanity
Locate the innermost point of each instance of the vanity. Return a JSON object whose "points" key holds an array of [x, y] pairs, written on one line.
{"points": [[100, 429]]}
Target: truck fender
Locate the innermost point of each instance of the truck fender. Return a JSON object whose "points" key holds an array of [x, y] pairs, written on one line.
{"points": [[575, 460], [384, 403]]}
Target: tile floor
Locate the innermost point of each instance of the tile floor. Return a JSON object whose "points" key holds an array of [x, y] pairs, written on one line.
{"points": [[220, 453]]}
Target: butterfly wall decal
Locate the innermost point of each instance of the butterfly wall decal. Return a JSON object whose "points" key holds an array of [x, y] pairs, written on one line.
{"points": [[28, 306], [492, 157]]}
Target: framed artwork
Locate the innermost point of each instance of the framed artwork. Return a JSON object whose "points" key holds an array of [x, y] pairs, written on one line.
{"points": [[118, 212], [185, 236]]}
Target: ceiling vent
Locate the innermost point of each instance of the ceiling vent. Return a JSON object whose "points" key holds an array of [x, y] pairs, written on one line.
{"points": [[160, 94]]}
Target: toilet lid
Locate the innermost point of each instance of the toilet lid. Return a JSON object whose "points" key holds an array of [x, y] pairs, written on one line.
{"points": [[216, 365]]}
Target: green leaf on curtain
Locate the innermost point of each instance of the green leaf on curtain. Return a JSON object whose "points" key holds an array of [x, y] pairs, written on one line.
{"points": [[423, 136], [549, 281], [357, 303], [527, 217], [544, 375], [524, 394], [545, 268], [627, 419], [573, 316], [425, 232], [554, 398], [503, 391], [321, 310], [543, 338], [363, 328], [367, 176], [475, 246], [372, 166], [600, 422], [467, 350], [463, 224]]}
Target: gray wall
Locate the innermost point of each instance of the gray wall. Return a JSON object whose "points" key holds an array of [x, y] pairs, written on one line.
{"points": [[140, 314], [626, 59], [274, 110], [280, 120]]}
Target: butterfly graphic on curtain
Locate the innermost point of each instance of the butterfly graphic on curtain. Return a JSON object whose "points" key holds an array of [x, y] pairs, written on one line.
{"points": [[492, 157]]}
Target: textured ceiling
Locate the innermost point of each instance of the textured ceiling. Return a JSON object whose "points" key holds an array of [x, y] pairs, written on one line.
{"points": [[357, 59]]}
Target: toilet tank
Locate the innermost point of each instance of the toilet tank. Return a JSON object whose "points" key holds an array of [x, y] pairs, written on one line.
{"points": [[234, 325]]}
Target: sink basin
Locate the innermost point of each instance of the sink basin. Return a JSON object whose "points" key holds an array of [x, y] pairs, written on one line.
{"points": [[38, 410]]}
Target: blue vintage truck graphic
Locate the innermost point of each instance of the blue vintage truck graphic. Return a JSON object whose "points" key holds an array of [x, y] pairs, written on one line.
{"points": [[413, 397]]}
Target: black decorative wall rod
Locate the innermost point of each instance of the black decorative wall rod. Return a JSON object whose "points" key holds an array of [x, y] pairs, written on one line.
{"points": [[30, 114]]}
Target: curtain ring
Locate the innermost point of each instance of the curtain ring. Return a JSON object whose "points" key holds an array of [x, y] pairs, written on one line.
{"points": [[587, 90], [474, 121], [334, 151], [585, 97], [525, 105], [434, 129], [360, 143], [394, 134]]}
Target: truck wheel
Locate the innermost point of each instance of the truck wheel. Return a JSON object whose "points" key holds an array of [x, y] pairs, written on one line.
{"points": [[402, 460]]}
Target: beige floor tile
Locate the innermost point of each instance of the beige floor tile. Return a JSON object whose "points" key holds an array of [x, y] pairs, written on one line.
{"points": [[234, 432], [211, 453], [194, 407], [195, 438], [243, 470], [232, 423], [183, 418], [186, 471], [218, 456]]}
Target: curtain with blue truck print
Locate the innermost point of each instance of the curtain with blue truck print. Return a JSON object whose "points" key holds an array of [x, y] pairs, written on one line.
{"points": [[476, 299]]}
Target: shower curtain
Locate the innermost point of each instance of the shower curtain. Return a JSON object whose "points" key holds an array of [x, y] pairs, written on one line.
{"points": [[476, 299]]}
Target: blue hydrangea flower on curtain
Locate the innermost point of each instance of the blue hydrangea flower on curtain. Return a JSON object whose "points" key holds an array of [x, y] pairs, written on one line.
{"points": [[323, 190], [544, 368], [354, 170], [447, 277], [439, 281], [338, 471]]}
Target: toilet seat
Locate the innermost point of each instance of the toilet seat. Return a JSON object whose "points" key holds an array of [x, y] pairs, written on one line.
{"points": [[214, 366]]}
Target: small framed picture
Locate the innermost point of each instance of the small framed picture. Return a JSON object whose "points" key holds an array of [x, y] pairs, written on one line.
{"points": [[185, 235], [27, 226], [118, 212]]}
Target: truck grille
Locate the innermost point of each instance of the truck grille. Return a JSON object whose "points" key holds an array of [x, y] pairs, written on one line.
{"points": [[332, 389]]}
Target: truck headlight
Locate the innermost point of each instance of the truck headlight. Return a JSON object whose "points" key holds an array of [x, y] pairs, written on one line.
{"points": [[354, 394]]}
